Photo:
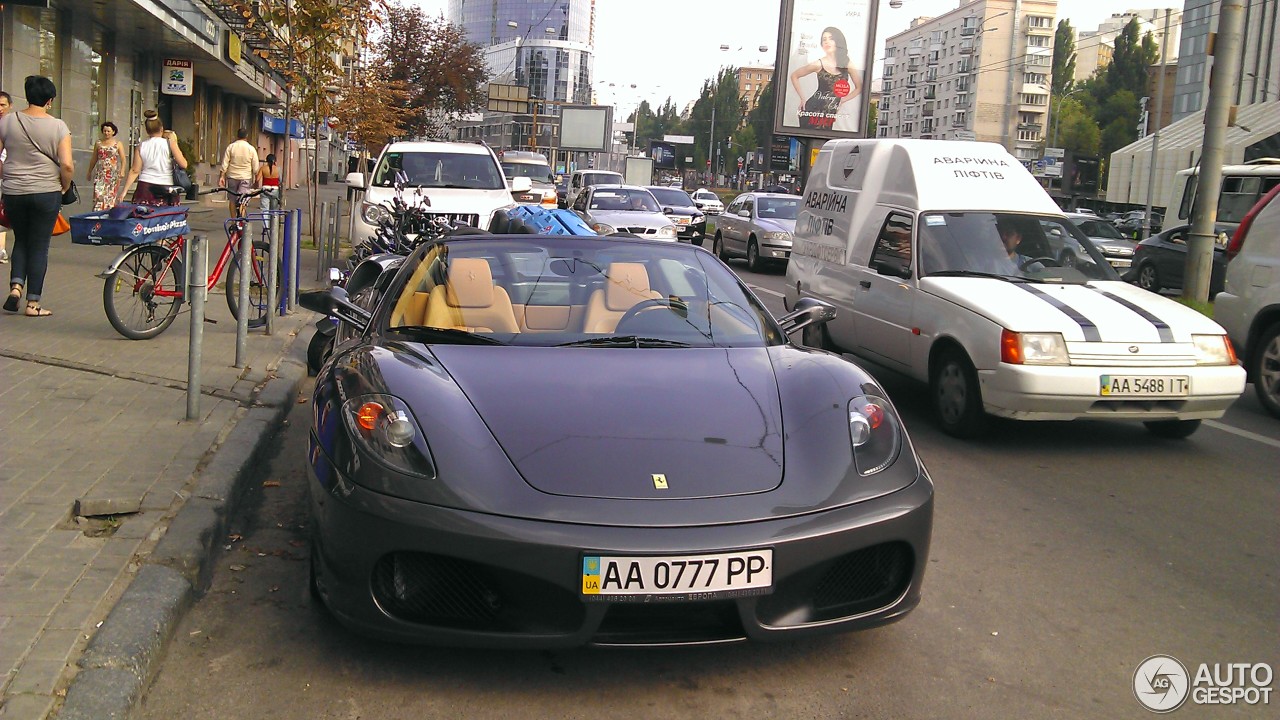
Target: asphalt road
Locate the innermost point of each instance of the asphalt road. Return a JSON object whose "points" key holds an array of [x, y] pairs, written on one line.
{"points": [[1063, 555]]}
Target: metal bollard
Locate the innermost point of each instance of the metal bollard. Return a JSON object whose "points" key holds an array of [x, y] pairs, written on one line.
{"points": [[295, 267], [335, 233], [273, 282], [196, 291], [317, 234], [246, 276], [351, 217]]}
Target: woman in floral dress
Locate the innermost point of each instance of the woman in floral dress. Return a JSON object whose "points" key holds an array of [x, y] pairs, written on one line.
{"points": [[106, 168]]}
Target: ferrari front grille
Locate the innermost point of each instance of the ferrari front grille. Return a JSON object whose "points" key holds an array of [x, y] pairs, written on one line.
{"points": [[853, 584]]}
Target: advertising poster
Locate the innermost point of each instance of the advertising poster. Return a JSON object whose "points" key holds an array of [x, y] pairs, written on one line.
{"points": [[825, 53], [663, 154]]}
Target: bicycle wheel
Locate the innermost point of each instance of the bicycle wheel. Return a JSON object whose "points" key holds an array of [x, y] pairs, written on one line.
{"points": [[259, 306], [144, 294]]}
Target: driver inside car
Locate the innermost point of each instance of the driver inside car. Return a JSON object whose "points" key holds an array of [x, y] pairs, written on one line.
{"points": [[1011, 237]]}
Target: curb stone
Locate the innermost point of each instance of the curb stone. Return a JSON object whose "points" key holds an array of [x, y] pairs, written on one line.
{"points": [[127, 648]]}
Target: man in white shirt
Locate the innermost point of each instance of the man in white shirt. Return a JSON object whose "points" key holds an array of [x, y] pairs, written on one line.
{"points": [[239, 168]]}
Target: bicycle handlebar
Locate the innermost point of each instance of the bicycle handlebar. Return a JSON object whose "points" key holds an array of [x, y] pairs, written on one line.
{"points": [[240, 196]]}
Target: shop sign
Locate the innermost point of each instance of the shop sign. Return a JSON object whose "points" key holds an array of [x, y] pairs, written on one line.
{"points": [[178, 77]]}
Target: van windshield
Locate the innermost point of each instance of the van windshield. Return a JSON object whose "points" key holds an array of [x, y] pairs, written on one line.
{"points": [[1037, 247], [533, 171], [438, 170], [602, 178]]}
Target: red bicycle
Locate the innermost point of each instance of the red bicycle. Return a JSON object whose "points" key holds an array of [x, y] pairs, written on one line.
{"points": [[144, 288]]}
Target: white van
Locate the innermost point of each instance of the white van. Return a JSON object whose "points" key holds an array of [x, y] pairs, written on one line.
{"points": [[583, 179], [942, 259], [1249, 306]]}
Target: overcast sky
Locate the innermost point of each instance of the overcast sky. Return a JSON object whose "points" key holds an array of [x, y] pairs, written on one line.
{"points": [[668, 48]]}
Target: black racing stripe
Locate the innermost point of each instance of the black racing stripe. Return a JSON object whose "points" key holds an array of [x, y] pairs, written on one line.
{"points": [[1091, 333], [1166, 334]]}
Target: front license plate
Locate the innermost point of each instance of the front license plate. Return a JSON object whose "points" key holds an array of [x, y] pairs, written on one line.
{"points": [[682, 221], [677, 577], [529, 198], [1143, 386]]}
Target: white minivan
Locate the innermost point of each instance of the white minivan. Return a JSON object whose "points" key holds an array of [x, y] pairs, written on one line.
{"points": [[1249, 306], [943, 261]]}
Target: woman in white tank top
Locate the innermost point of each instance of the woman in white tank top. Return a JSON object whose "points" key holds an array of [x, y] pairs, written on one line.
{"points": [[153, 162]]}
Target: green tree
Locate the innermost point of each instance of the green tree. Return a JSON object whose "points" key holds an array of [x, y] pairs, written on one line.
{"points": [[720, 93], [1130, 60], [1075, 128], [1064, 57]]}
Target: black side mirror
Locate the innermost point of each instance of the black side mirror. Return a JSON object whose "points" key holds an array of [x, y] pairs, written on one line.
{"points": [[699, 205], [667, 211], [336, 302], [893, 269], [808, 311]]}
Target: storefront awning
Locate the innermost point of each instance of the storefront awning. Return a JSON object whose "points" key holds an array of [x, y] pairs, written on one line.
{"points": [[275, 126]]}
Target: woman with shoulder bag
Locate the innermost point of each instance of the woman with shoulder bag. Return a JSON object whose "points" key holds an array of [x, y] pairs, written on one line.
{"points": [[153, 162], [33, 183]]}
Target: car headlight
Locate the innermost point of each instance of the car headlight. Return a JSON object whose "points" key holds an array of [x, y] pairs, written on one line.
{"points": [[603, 229], [875, 432], [1033, 348], [667, 231], [373, 213], [778, 236], [384, 427], [1213, 350]]}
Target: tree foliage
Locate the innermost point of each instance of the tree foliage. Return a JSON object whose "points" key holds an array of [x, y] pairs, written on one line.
{"points": [[441, 71], [374, 108], [1130, 60], [1064, 57], [720, 93]]}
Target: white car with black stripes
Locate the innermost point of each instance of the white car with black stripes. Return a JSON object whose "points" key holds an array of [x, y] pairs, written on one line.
{"points": [[943, 261]]}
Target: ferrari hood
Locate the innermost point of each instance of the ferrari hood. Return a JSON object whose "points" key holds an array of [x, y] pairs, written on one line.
{"points": [[628, 423], [1093, 312]]}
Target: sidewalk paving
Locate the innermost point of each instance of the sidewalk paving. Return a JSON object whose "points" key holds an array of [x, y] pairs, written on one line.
{"points": [[87, 415]]}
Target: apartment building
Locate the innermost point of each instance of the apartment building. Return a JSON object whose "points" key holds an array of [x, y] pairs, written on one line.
{"points": [[751, 82], [980, 72]]}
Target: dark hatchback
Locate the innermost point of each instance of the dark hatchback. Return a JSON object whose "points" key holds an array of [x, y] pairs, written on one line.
{"points": [[1158, 261], [691, 223]]}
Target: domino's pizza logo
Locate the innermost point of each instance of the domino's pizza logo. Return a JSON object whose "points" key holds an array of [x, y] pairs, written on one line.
{"points": [[137, 230]]}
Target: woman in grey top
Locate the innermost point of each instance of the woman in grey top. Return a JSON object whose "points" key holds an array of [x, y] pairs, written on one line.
{"points": [[32, 183]]}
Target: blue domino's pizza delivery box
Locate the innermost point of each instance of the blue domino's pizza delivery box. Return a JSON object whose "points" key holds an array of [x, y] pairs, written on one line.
{"points": [[129, 224]]}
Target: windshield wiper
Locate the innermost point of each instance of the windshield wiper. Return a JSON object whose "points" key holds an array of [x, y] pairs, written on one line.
{"points": [[976, 273], [625, 341], [460, 337]]}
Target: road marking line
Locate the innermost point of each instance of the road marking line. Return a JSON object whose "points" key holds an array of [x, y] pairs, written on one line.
{"points": [[1243, 433], [766, 291]]}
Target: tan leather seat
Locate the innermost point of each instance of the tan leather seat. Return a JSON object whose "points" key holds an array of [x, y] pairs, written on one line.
{"points": [[470, 301], [625, 285]]}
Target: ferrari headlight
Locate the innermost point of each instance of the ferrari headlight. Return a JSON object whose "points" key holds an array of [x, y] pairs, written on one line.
{"points": [[603, 229], [1213, 350], [875, 432], [383, 427], [1033, 348], [373, 213]]}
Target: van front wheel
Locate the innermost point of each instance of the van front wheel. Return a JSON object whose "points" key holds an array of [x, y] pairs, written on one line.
{"points": [[957, 400]]}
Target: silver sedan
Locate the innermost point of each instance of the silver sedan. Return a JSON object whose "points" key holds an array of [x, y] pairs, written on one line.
{"points": [[759, 227], [623, 208]]}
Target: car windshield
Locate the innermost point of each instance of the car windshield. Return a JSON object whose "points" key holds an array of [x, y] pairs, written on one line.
{"points": [[558, 291], [1099, 229], [438, 170], [667, 196], [777, 208], [623, 199], [705, 195], [534, 171], [1015, 246]]}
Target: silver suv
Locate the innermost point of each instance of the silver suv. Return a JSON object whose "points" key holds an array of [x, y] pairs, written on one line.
{"points": [[462, 181]]}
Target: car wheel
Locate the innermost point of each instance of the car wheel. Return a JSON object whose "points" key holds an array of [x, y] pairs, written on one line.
{"points": [[1172, 429], [753, 257], [957, 400], [1149, 277], [1266, 369], [717, 247]]}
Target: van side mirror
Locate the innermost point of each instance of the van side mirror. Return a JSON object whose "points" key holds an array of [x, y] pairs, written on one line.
{"points": [[893, 269], [521, 184]]}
